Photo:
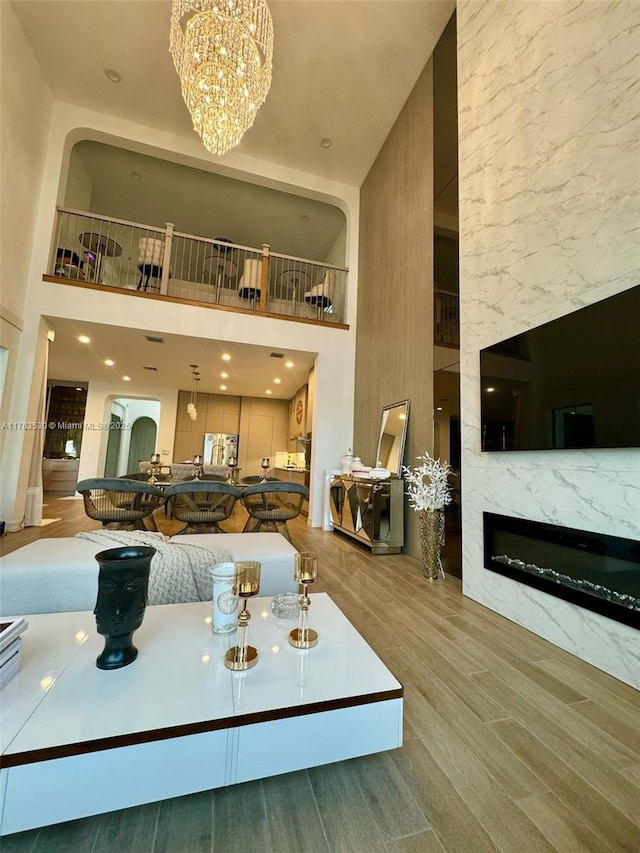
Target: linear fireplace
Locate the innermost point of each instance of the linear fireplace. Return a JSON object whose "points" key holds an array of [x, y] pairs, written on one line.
{"points": [[594, 570]]}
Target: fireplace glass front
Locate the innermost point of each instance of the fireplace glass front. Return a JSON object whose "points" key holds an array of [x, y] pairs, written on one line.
{"points": [[593, 570]]}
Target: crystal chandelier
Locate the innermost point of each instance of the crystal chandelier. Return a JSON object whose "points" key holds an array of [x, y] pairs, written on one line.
{"points": [[222, 50]]}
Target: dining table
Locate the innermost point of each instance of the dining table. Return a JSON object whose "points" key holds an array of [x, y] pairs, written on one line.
{"points": [[100, 246]]}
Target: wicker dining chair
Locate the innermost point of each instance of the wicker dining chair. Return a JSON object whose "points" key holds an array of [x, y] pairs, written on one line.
{"points": [[202, 504], [271, 504], [119, 503]]}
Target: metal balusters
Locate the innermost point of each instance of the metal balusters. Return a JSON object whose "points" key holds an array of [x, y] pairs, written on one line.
{"points": [[132, 256]]}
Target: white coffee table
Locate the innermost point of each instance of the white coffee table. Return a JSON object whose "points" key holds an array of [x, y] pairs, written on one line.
{"points": [[78, 741]]}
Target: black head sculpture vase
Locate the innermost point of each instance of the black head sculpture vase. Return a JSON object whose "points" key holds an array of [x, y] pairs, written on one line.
{"points": [[123, 583]]}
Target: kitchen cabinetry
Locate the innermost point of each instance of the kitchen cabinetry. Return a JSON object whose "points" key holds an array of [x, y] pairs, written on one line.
{"points": [[371, 511], [60, 475], [295, 475]]}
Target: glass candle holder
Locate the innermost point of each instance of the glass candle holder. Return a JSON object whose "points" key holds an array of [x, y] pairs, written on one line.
{"points": [[197, 464], [246, 583], [155, 467], [305, 572]]}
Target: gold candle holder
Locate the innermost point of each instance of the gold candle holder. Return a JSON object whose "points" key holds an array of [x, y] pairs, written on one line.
{"points": [[246, 583], [155, 468], [306, 572]]}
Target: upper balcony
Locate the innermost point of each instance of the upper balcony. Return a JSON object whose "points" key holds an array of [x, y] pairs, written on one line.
{"points": [[446, 318], [106, 253]]}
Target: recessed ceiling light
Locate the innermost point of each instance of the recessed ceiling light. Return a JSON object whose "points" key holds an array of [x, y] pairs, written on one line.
{"points": [[112, 75], [268, 391], [438, 408], [78, 389], [224, 375], [226, 356], [126, 379], [136, 176], [277, 381], [109, 362], [84, 339], [288, 364], [325, 142], [304, 217], [223, 387], [489, 389]]}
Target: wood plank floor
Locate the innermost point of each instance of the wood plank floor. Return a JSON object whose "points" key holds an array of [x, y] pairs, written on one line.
{"points": [[510, 743]]}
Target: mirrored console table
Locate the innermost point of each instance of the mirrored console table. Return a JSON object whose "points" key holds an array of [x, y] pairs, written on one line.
{"points": [[371, 511]]}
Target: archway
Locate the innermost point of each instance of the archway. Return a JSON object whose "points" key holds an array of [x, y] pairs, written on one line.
{"points": [[143, 442]]}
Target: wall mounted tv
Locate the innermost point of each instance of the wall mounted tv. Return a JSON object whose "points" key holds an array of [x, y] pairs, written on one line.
{"points": [[571, 383]]}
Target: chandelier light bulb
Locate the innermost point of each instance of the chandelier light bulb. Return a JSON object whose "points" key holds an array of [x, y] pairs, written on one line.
{"points": [[223, 55]]}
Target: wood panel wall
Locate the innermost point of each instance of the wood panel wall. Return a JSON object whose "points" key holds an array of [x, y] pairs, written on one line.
{"points": [[260, 423], [394, 342], [216, 413]]}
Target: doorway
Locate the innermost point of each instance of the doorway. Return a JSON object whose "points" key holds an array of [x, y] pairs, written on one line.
{"points": [[446, 404], [113, 447], [143, 442]]}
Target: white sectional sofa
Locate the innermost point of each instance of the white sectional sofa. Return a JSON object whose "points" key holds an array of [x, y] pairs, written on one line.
{"points": [[58, 575]]}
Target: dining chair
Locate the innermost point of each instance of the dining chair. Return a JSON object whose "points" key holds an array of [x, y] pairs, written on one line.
{"points": [[120, 503], [202, 504], [250, 282], [150, 260], [272, 504], [320, 296], [182, 471]]}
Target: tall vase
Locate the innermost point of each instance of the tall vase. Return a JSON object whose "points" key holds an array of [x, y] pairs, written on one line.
{"points": [[123, 584], [431, 525]]}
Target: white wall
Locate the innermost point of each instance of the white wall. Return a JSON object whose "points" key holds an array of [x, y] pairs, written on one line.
{"points": [[25, 110], [335, 348], [100, 398], [549, 180], [78, 190]]}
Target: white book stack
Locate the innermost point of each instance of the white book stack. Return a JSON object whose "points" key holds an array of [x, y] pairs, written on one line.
{"points": [[11, 648]]}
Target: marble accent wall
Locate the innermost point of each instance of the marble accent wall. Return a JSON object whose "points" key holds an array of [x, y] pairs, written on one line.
{"points": [[549, 179]]}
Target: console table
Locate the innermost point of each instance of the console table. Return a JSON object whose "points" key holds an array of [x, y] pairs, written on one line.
{"points": [[371, 511], [78, 741]]}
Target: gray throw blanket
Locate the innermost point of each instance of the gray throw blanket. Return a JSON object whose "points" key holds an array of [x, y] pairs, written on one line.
{"points": [[180, 572]]}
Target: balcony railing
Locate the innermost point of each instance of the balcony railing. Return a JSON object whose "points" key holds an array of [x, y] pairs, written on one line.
{"points": [[133, 257], [446, 318]]}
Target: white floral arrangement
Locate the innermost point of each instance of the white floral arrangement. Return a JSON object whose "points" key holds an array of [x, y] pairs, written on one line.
{"points": [[428, 484]]}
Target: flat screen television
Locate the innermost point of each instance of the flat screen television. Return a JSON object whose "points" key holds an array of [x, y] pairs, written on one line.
{"points": [[571, 383]]}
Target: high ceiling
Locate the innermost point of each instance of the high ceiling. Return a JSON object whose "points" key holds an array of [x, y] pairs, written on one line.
{"points": [[342, 70]]}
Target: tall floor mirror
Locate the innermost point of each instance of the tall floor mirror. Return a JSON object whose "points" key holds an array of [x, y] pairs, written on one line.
{"points": [[393, 437]]}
